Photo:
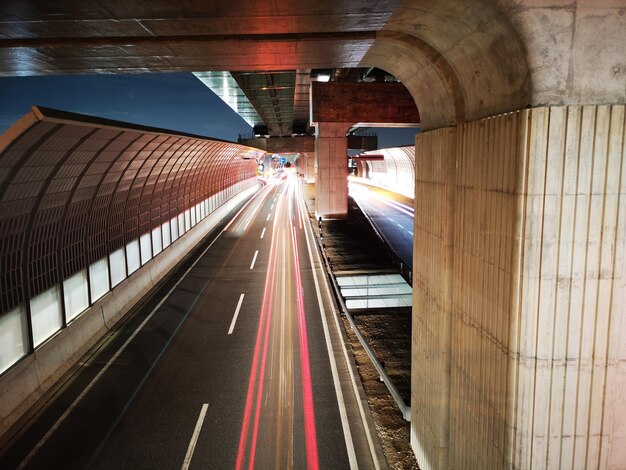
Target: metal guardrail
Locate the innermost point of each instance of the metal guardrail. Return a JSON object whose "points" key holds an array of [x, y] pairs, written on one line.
{"points": [[404, 408]]}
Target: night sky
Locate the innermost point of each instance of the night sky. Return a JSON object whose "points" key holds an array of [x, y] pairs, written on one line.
{"points": [[174, 101]]}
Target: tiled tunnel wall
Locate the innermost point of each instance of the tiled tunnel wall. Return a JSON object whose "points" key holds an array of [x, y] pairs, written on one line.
{"points": [[83, 204]]}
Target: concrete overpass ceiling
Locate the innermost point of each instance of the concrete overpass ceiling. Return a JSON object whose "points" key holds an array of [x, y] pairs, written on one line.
{"points": [[301, 101], [272, 94], [41, 18], [277, 101], [41, 37], [460, 59]]}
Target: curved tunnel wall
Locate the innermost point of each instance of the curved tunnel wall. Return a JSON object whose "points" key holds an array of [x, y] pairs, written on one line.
{"points": [[305, 166], [396, 171], [83, 204]]}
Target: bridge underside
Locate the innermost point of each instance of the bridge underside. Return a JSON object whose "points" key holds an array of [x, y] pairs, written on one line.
{"points": [[520, 205]]}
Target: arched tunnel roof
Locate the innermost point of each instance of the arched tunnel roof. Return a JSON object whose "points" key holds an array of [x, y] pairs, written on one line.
{"points": [[74, 189]]}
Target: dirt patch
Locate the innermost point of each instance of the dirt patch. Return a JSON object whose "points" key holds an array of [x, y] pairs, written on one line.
{"points": [[389, 336]]}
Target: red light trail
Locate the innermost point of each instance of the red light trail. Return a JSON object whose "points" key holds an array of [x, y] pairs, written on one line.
{"points": [[270, 372]]}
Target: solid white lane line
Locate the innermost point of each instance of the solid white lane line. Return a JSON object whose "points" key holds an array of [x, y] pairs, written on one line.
{"points": [[355, 390], [333, 365], [263, 232], [243, 208], [256, 253], [268, 216], [194, 437], [232, 323], [353, 379], [256, 209], [75, 403]]}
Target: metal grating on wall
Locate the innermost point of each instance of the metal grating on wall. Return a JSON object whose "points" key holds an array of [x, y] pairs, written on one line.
{"points": [[74, 189]]}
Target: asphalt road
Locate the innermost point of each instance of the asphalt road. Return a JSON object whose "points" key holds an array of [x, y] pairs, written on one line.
{"points": [[391, 214], [237, 361]]}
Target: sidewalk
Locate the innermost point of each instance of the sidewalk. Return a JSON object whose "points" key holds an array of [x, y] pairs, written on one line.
{"points": [[353, 248]]}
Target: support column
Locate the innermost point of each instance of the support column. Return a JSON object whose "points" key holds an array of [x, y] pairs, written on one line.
{"points": [[331, 160], [433, 262], [519, 288], [568, 335], [335, 107], [309, 167]]}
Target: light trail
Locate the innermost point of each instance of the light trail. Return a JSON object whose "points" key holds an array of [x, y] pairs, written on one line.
{"points": [[265, 191], [393, 220], [281, 358], [364, 192], [307, 387], [354, 379], [265, 312], [255, 430], [347, 434]]}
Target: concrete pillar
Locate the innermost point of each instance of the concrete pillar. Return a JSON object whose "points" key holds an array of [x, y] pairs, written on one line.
{"points": [[568, 324], [520, 291], [331, 160], [309, 168], [434, 221]]}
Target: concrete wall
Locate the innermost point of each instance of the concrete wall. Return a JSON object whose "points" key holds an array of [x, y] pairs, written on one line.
{"points": [[519, 291], [362, 102], [22, 385], [574, 49]]}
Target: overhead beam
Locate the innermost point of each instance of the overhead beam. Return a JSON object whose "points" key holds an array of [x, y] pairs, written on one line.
{"points": [[184, 39], [372, 104], [299, 144]]}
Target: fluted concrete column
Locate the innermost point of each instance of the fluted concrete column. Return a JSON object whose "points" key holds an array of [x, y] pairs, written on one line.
{"points": [[331, 161], [433, 261], [568, 335], [520, 291]]}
